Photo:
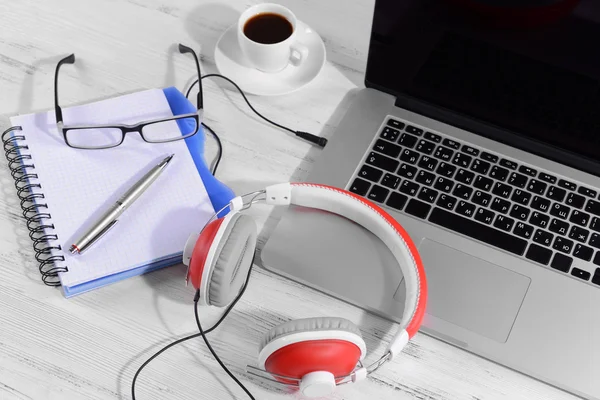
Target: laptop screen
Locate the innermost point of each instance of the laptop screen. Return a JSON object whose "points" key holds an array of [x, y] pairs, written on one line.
{"points": [[528, 66]]}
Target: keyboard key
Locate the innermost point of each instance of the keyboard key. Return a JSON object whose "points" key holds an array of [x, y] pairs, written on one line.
{"points": [[390, 134], [464, 176], [462, 191], [521, 197], [543, 237], [478, 231], [575, 200], [480, 166], [499, 173], [481, 198], [485, 216], [523, 230], [561, 262], [383, 162], [397, 200], [395, 124], [428, 163], [470, 150], [579, 234], [558, 226], [500, 205], [593, 207], [536, 186], [446, 201], [451, 143], [407, 171], [527, 170], [517, 180], [579, 218], [504, 223], [595, 240], [407, 140], [563, 245], [466, 209], [567, 184], [595, 224], [547, 178], [489, 157], [443, 184], [409, 156], [520, 212], [414, 130], [596, 277], [370, 173], [425, 146], [387, 148], [539, 219], [586, 191], [409, 188], [390, 181], [462, 160], [559, 210], [433, 137], [360, 187], [446, 170], [556, 193], [443, 153], [581, 274], [538, 254], [424, 177], [502, 189], [378, 193], [539, 203], [583, 252], [417, 208], [483, 183], [428, 194], [508, 164]]}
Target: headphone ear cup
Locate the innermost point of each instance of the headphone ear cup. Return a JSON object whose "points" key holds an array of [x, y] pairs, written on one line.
{"points": [[233, 258], [201, 251], [299, 347]]}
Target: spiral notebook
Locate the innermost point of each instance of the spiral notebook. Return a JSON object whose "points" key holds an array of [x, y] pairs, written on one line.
{"points": [[62, 189]]}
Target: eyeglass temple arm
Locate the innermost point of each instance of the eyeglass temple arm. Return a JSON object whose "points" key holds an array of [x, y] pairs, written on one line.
{"points": [[67, 60], [184, 49]]}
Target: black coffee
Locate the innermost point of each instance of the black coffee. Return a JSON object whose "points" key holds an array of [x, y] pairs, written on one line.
{"points": [[268, 28]]}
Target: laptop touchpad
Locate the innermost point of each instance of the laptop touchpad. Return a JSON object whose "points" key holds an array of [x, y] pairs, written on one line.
{"points": [[470, 292]]}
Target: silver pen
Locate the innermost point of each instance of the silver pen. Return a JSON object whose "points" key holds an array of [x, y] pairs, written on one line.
{"points": [[109, 218]]}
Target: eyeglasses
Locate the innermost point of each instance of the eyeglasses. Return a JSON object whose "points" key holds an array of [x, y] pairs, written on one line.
{"points": [[153, 131]]}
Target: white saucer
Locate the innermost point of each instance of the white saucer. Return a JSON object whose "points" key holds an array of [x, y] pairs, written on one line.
{"points": [[232, 63]]}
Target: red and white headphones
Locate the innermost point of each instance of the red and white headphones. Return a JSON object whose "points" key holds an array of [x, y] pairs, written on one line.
{"points": [[314, 354]]}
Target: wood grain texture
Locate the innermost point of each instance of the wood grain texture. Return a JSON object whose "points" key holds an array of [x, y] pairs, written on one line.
{"points": [[89, 347]]}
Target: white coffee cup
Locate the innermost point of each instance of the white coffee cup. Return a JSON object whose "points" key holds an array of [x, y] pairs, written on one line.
{"points": [[271, 57]]}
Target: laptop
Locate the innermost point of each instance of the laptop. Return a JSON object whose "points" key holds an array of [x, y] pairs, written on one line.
{"points": [[479, 131]]}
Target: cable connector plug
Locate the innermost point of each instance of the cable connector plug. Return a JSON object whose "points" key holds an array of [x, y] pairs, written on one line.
{"points": [[318, 140]]}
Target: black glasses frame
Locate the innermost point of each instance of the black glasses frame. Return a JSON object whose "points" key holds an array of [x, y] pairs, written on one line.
{"points": [[124, 128]]}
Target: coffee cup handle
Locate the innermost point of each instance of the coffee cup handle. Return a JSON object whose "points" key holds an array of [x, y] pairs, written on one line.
{"points": [[298, 53]]}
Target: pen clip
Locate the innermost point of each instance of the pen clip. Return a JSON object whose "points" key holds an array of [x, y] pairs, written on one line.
{"points": [[100, 234]]}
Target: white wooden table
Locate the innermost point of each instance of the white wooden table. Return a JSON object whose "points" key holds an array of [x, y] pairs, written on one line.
{"points": [[89, 347]]}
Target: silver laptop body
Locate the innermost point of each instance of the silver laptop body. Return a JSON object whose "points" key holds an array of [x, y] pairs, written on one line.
{"points": [[510, 244]]}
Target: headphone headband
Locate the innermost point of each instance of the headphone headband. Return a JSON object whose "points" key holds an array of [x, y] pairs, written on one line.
{"points": [[377, 221]]}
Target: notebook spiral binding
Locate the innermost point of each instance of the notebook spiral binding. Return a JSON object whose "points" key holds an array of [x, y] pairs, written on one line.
{"points": [[35, 212]]}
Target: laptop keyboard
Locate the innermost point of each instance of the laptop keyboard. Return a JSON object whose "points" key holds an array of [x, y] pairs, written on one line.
{"points": [[504, 203]]}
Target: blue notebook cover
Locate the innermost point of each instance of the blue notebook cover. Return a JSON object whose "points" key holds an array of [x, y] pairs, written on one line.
{"points": [[219, 194]]}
